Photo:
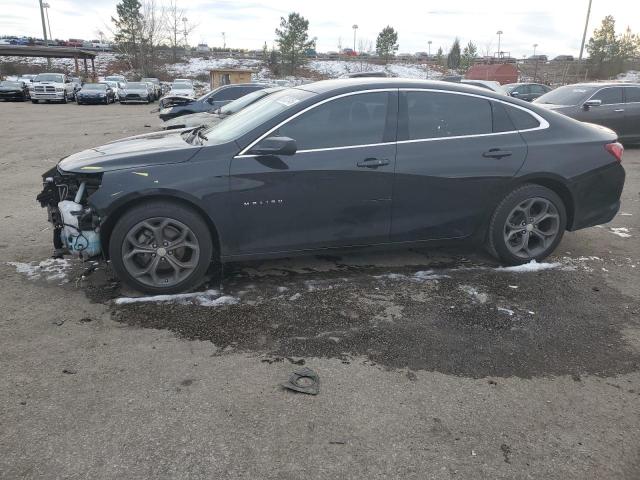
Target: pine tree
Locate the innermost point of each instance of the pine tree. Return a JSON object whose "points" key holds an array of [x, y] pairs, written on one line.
{"points": [[469, 53], [387, 43], [603, 45], [453, 59], [128, 29], [293, 40], [439, 56]]}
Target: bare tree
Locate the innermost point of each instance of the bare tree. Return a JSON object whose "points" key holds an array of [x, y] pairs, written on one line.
{"points": [[153, 27], [176, 28]]}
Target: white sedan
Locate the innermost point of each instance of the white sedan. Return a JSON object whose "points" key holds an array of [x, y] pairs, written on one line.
{"points": [[182, 90]]}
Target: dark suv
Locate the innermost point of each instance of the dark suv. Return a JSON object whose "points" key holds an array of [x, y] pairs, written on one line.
{"points": [[171, 107], [526, 91]]}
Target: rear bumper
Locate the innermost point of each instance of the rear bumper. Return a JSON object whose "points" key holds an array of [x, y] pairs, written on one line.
{"points": [[597, 196]]}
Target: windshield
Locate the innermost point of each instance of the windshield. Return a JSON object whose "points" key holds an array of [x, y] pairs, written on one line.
{"points": [[10, 84], [242, 102], [510, 87], [94, 86], [112, 84], [49, 77], [180, 86], [568, 95], [136, 85], [254, 115]]}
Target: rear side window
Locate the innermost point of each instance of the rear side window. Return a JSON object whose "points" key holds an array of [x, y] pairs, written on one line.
{"points": [[521, 119], [501, 120], [354, 120], [230, 93], [609, 96], [633, 94], [442, 115]]}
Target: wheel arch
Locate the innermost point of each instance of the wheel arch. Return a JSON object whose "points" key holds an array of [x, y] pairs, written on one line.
{"points": [[127, 203], [559, 186]]}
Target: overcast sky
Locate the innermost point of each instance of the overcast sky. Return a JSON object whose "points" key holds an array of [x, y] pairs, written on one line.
{"points": [[555, 25]]}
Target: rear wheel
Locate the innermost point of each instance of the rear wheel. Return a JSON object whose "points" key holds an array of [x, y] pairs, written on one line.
{"points": [[161, 247], [527, 225]]}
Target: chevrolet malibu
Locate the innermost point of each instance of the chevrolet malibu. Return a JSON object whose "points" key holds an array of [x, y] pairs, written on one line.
{"points": [[335, 164]]}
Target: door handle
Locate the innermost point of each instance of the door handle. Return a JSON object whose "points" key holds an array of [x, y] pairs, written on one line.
{"points": [[373, 162], [619, 110], [497, 153]]}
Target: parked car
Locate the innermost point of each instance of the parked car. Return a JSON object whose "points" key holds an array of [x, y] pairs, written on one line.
{"points": [[157, 88], [487, 84], [51, 86], [117, 87], [336, 164], [96, 93], [182, 90], [217, 115], [612, 105], [27, 78], [526, 91], [538, 58], [171, 107], [183, 80], [116, 78], [563, 58], [14, 90], [136, 92]]}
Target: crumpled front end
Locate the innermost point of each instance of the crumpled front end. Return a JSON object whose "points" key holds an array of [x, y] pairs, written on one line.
{"points": [[76, 227]]}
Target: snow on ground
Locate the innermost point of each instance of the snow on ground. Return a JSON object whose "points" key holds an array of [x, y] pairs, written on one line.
{"points": [[337, 68], [474, 293], [621, 232], [51, 269], [208, 298], [630, 76], [195, 66], [532, 266]]}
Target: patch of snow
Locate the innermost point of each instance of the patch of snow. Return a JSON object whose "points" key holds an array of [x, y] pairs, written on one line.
{"points": [[198, 65], [623, 214], [294, 297], [473, 292], [621, 232], [208, 298], [513, 286], [282, 289], [338, 68], [532, 266], [50, 269], [506, 310], [420, 276]]}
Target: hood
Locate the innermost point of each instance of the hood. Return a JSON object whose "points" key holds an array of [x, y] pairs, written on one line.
{"points": [[175, 100], [552, 106], [143, 150], [10, 89], [194, 120]]}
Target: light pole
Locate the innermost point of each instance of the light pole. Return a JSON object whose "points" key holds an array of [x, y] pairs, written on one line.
{"points": [[429, 57], [584, 34], [224, 41], [44, 31], [535, 73], [46, 12], [186, 43], [355, 29], [499, 33]]}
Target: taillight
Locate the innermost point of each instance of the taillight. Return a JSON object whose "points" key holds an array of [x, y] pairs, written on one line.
{"points": [[616, 149]]}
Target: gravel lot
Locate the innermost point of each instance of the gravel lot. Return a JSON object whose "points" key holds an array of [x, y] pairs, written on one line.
{"points": [[433, 363]]}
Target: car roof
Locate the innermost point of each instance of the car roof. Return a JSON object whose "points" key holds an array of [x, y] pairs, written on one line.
{"points": [[355, 84], [604, 84]]}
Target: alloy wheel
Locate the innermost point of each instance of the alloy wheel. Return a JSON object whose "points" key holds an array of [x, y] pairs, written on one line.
{"points": [[160, 252], [531, 227]]}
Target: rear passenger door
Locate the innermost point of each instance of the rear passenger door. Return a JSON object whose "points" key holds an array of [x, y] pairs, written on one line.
{"points": [[610, 114], [631, 127], [456, 154]]}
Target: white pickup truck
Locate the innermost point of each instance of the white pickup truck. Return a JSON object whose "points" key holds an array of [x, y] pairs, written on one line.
{"points": [[52, 86]]}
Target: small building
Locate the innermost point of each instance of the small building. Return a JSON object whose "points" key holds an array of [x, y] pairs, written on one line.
{"points": [[226, 76], [498, 72], [203, 48]]}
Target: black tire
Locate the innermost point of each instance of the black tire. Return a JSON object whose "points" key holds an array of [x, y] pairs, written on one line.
{"points": [[497, 243], [154, 211], [34, 100], [64, 97]]}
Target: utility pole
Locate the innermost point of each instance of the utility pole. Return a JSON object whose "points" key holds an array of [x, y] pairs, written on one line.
{"points": [[429, 58], [186, 42], [584, 34], [44, 30], [355, 29], [46, 11], [224, 41], [499, 33], [535, 73]]}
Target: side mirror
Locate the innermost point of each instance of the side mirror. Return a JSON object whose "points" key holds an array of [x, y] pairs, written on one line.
{"points": [[275, 146], [591, 103]]}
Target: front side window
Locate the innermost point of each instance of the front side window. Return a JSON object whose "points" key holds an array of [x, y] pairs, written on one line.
{"points": [[358, 119], [441, 115], [609, 96]]}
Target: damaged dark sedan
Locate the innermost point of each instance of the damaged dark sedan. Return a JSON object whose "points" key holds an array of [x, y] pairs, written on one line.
{"points": [[17, 91], [336, 164]]}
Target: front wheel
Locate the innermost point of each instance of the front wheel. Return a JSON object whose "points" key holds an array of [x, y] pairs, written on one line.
{"points": [[64, 97], [527, 225], [34, 100], [161, 248]]}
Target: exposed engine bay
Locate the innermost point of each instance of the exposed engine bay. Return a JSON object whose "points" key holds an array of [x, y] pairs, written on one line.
{"points": [[76, 227]]}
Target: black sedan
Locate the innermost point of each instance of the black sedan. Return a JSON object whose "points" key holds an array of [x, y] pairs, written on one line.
{"points": [[14, 91], [526, 91], [174, 106], [336, 164], [613, 105], [95, 93]]}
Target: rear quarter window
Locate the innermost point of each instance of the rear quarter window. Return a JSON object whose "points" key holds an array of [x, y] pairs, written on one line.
{"points": [[633, 94], [521, 119]]}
